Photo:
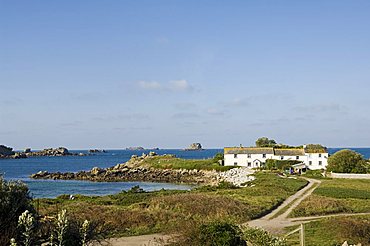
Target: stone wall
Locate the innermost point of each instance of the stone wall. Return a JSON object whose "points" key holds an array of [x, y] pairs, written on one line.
{"points": [[348, 175]]}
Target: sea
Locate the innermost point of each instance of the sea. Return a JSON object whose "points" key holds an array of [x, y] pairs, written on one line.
{"points": [[21, 169]]}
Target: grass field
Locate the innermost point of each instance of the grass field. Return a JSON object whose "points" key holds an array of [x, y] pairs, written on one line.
{"points": [[169, 162], [136, 212], [336, 196], [334, 231]]}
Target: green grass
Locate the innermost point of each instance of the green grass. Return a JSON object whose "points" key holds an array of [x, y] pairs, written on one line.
{"points": [[169, 162], [336, 196], [130, 213], [334, 231]]}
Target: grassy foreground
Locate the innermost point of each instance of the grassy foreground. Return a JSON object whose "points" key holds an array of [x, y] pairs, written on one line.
{"points": [[337, 196], [136, 212], [334, 231]]}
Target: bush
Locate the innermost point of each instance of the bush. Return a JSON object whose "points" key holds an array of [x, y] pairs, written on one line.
{"points": [[216, 233], [280, 164], [14, 200], [347, 161], [259, 237], [218, 157]]}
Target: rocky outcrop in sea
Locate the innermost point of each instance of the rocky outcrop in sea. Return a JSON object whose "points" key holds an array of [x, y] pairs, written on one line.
{"points": [[97, 151], [61, 151], [194, 146], [7, 152]]}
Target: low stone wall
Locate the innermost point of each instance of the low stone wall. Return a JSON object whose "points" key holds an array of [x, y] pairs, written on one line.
{"points": [[348, 175]]}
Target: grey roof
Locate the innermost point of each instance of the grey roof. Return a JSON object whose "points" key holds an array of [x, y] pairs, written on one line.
{"points": [[248, 150], [289, 152]]}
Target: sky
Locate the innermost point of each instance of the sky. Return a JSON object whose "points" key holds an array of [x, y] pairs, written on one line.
{"points": [[166, 73]]}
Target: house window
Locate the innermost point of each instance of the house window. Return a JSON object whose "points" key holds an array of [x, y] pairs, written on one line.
{"points": [[235, 155], [320, 163], [249, 156], [297, 157], [310, 163], [281, 157], [249, 164], [319, 155], [235, 163], [263, 155]]}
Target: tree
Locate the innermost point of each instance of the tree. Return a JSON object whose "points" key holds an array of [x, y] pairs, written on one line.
{"points": [[347, 161], [265, 142]]}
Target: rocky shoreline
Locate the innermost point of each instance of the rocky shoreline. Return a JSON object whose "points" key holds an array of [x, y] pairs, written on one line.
{"points": [[119, 173], [133, 170]]}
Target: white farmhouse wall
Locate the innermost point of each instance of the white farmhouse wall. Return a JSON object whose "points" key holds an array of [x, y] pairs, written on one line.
{"points": [[245, 160], [317, 161], [313, 161]]}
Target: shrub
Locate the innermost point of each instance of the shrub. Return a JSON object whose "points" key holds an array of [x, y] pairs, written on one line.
{"points": [[218, 157], [14, 200], [347, 161], [280, 164], [259, 237]]}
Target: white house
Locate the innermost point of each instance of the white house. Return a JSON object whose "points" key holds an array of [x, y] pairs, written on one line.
{"points": [[254, 157]]}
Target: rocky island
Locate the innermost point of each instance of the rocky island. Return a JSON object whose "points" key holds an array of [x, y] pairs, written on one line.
{"points": [[97, 151], [7, 152], [194, 146], [135, 148]]}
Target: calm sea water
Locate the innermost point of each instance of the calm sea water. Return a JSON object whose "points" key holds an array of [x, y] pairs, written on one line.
{"points": [[21, 169]]}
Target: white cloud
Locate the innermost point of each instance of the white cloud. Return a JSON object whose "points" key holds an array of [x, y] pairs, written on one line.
{"points": [[237, 102], [180, 85], [215, 111], [173, 86], [150, 85]]}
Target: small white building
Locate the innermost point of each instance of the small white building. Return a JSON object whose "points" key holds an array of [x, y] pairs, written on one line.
{"points": [[254, 157]]}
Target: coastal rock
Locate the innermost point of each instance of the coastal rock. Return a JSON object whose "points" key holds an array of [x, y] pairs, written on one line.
{"points": [[152, 153], [135, 148], [19, 155], [6, 151], [238, 176], [195, 146], [61, 151], [97, 151]]}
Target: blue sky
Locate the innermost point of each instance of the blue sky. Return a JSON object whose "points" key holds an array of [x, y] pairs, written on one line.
{"points": [[166, 73]]}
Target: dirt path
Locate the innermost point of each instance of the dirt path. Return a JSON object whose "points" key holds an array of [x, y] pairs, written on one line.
{"points": [[144, 240], [277, 220]]}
